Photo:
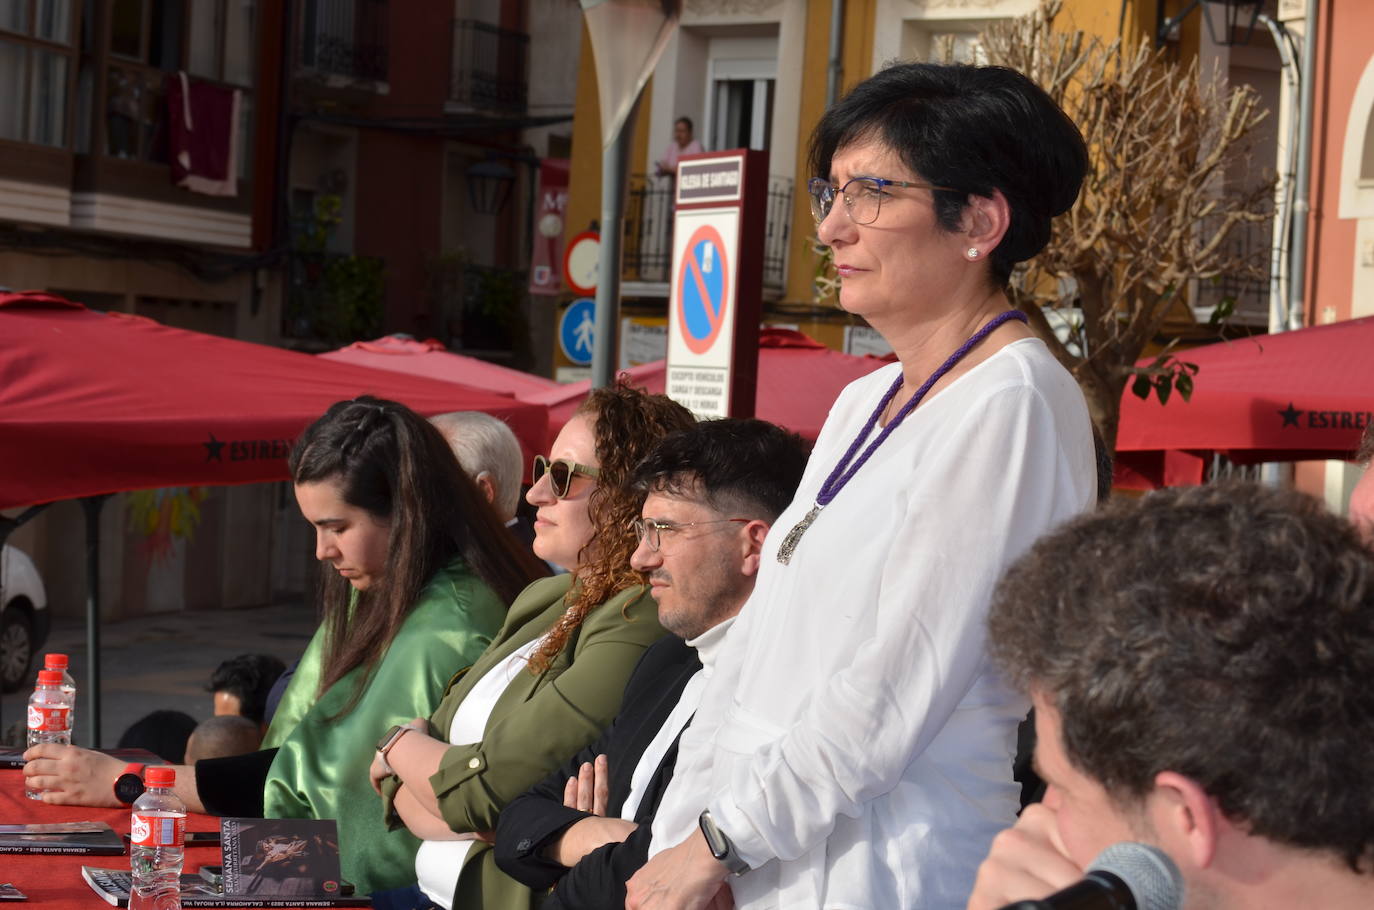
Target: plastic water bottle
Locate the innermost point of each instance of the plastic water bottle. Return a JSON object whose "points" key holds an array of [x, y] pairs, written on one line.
{"points": [[59, 662], [50, 716], [157, 838]]}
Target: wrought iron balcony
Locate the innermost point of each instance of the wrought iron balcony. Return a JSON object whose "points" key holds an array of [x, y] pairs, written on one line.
{"points": [[347, 38], [648, 227], [490, 68]]}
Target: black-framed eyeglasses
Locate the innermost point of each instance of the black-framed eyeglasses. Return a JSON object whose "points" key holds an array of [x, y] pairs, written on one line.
{"points": [[560, 471], [863, 196], [651, 531]]}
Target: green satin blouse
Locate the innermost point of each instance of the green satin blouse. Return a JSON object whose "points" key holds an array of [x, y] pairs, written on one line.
{"points": [[321, 768]]}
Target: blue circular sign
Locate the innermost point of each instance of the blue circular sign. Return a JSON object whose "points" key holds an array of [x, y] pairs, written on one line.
{"points": [[577, 331], [702, 281]]}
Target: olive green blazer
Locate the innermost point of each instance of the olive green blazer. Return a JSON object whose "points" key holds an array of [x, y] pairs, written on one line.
{"points": [[536, 723]]}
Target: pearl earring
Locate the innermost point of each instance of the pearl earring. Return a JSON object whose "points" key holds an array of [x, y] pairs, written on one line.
{"points": [[972, 252]]}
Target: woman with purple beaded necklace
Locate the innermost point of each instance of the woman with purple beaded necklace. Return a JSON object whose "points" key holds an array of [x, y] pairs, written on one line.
{"points": [[853, 749]]}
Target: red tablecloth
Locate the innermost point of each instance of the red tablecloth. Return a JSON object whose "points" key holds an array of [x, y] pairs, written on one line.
{"points": [[54, 882]]}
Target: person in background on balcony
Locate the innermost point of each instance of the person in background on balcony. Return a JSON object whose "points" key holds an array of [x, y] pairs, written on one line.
{"points": [[853, 747], [681, 144]]}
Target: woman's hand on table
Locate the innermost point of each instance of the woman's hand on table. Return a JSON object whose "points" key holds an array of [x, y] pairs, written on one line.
{"points": [[71, 776]]}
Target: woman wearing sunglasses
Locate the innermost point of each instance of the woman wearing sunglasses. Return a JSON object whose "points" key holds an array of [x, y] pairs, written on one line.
{"points": [[553, 677], [854, 748]]}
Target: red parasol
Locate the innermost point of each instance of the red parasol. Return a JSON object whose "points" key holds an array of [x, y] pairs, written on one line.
{"points": [[1292, 396], [95, 403]]}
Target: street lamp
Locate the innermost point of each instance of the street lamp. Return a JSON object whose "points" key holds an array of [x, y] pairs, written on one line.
{"points": [[489, 186], [628, 37], [1232, 14]]}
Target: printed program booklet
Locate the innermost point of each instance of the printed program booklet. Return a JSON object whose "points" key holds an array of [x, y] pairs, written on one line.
{"points": [[281, 857], [113, 887], [61, 837]]}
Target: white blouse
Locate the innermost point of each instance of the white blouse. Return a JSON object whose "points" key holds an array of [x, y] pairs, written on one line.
{"points": [[855, 742], [438, 862]]}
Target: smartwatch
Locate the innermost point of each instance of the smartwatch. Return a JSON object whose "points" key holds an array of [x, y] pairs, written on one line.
{"points": [[720, 845], [128, 786], [387, 741]]}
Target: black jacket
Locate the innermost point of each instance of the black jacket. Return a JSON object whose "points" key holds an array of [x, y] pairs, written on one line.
{"points": [[532, 821]]}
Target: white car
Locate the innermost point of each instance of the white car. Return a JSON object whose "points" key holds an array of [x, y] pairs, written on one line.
{"points": [[24, 617]]}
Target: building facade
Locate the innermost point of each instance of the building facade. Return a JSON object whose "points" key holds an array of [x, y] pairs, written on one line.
{"points": [[759, 74], [385, 160]]}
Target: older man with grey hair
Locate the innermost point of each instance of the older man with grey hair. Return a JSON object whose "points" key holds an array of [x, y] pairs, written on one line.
{"points": [[489, 453]]}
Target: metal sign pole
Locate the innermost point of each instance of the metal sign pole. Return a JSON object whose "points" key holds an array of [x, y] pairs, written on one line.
{"points": [[615, 162]]}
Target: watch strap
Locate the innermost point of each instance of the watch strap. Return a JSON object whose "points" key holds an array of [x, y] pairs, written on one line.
{"points": [[720, 846], [133, 769]]}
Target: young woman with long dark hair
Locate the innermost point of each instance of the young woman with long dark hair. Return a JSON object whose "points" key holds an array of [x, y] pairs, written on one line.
{"points": [[417, 571], [417, 577]]}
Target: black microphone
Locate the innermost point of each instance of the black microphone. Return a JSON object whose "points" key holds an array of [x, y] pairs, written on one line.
{"points": [[1125, 876]]}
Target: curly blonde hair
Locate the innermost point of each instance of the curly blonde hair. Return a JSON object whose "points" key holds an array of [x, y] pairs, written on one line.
{"points": [[628, 423]]}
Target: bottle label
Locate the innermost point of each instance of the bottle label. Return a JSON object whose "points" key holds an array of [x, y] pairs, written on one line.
{"points": [[157, 830], [49, 720]]}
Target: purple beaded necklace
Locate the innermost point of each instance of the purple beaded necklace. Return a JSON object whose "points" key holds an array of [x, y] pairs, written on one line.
{"points": [[844, 470]]}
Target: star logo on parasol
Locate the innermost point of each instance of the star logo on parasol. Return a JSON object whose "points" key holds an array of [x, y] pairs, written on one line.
{"points": [[1290, 415], [212, 449]]}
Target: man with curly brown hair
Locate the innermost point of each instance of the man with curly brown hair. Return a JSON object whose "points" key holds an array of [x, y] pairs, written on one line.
{"points": [[1200, 663]]}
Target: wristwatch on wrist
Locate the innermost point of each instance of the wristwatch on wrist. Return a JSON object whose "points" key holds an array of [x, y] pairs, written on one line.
{"points": [[128, 786], [386, 742], [720, 845]]}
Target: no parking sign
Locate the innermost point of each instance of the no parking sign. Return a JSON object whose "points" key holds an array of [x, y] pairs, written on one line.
{"points": [[716, 295], [703, 278]]}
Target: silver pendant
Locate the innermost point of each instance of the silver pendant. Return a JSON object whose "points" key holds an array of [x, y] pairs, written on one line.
{"points": [[794, 536]]}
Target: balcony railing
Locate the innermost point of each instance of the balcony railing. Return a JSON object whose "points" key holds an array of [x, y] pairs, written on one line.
{"points": [[347, 38], [1243, 290], [490, 68], [648, 227], [333, 297]]}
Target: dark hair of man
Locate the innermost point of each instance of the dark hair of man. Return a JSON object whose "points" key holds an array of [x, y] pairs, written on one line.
{"points": [[248, 677], [686, 121], [973, 128], [627, 423], [1225, 633], [224, 735], [1365, 453], [748, 468], [394, 464], [163, 733]]}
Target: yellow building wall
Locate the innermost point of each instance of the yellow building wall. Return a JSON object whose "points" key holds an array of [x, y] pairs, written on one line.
{"points": [[1099, 17]]}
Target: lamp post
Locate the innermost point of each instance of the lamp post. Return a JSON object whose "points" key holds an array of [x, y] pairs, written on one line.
{"points": [[1233, 12], [628, 37], [489, 186]]}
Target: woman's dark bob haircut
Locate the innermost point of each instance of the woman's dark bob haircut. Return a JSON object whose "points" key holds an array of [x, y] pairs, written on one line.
{"points": [[974, 128]]}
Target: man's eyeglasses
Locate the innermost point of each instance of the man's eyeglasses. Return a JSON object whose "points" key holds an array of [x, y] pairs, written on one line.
{"points": [[561, 473], [651, 532], [863, 196]]}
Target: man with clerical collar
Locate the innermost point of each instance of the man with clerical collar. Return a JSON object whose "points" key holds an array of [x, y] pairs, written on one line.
{"points": [[712, 493]]}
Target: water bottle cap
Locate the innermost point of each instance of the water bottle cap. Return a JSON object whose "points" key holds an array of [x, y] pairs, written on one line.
{"points": [[160, 776], [50, 677], [55, 662]]}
